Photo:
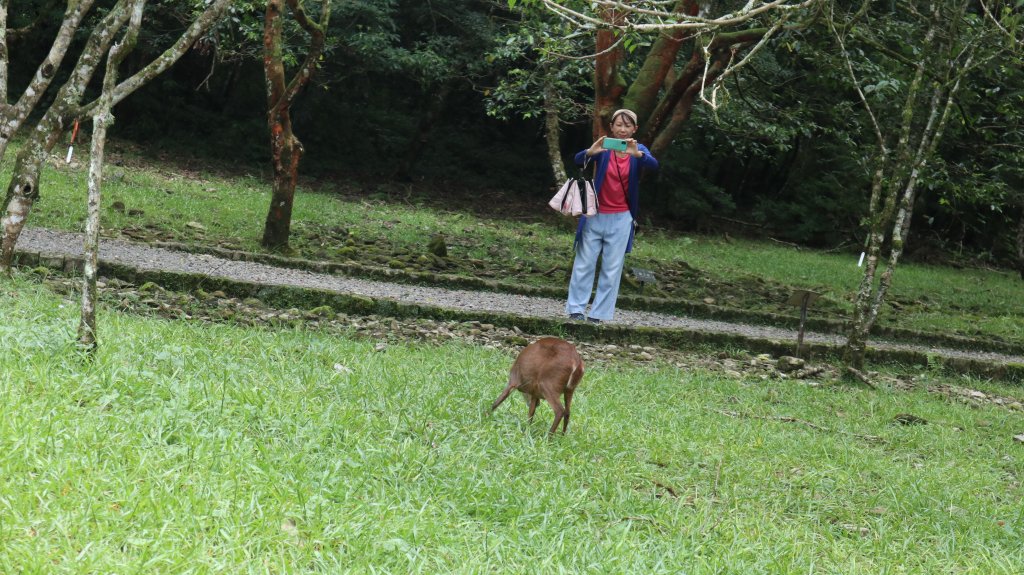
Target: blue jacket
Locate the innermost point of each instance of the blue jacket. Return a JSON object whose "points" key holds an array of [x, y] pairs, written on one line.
{"points": [[636, 166]]}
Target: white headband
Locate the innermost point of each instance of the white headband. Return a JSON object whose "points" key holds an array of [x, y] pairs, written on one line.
{"points": [[624, 112]]}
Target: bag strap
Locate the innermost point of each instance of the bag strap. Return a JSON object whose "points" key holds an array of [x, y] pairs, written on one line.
{"points": [[582, 180], [583, 169]]}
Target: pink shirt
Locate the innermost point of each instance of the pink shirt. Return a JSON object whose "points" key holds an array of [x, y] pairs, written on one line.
{"points": [[615, 185]]}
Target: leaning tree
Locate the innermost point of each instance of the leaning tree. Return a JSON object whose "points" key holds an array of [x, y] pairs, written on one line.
{"points": [[909, 90]]}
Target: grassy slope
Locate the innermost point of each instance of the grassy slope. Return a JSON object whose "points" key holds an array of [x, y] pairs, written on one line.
{"points": [[188, 447], [399, 218]]}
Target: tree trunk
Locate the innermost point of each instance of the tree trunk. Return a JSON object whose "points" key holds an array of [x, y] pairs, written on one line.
{"points": [[897, 203], [4, 69], [285, 148], [657, 67], [286, 151], [101, 121], [662, 95], [87, 323], [553, 133], [24, 187], [856, 341], [283, 144], [1020, 244], [23, 190], [669, 115], [665, 131], [609, 85]]}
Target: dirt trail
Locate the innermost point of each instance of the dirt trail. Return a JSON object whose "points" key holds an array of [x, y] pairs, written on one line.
{"points": [[145, 257]]}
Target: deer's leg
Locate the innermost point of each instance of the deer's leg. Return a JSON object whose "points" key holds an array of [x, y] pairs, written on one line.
{"points": [[568, 411], [532, 402], [556, 406]]}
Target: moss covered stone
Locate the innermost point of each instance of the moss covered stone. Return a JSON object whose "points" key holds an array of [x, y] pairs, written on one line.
{"points": [[322, 311]]}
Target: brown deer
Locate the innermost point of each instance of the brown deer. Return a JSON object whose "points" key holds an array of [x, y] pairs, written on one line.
{"points": [[546, 368]]}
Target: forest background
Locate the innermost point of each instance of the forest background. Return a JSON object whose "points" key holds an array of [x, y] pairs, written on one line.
{"points": [[450, 93]]}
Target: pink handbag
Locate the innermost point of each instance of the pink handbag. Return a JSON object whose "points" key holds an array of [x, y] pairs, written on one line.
{"points": [[576, 197]]}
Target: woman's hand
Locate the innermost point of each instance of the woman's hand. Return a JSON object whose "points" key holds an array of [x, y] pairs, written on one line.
{"points": [[596, 147], [632, 149]]}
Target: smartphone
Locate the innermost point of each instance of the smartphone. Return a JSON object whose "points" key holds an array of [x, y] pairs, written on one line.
{"points": [[614, 144]]}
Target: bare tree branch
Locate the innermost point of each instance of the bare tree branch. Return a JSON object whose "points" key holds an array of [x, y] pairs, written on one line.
{"points": [[999, 25], [14, 116], [672, 20]]}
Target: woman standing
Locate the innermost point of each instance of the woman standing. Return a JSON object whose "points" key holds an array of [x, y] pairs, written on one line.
{"points": [[609, 234]]}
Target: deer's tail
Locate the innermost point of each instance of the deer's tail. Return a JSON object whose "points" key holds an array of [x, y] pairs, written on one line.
{"points": [[576, 374]]}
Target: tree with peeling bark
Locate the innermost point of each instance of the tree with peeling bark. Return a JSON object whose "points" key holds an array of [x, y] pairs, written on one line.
{"points": [[944, 43], [285, 148], [67, 105], [692, 52], [102, 119]]}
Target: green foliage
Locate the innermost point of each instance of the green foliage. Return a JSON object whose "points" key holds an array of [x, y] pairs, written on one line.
{"points": [[969, 190], [428, 43], [394, 72], [540, 58], [779, 155], [790, 152], [977, 188], [682, 192]]}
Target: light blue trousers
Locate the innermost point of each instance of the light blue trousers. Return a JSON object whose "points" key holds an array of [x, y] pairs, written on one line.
{"points": [[604, 235]]}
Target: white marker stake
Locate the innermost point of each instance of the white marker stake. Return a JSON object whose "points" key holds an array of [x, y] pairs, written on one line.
{"points": [[861, 260], [70, 150]]}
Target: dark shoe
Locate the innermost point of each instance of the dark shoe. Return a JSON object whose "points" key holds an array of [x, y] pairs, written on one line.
{"points": [[576, 317], [593, 320]]}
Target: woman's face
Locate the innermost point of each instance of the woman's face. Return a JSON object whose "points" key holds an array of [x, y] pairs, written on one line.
{"points": [[622, 127]]}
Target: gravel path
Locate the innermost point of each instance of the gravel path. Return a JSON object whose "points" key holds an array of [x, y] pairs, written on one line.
{"points": [[145, 257]]}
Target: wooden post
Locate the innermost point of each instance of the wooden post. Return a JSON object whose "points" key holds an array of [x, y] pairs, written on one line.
{"points": [[802, 298]]}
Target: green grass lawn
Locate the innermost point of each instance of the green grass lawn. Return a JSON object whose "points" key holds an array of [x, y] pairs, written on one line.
{"points": [[163, 199], [185, 447]]}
